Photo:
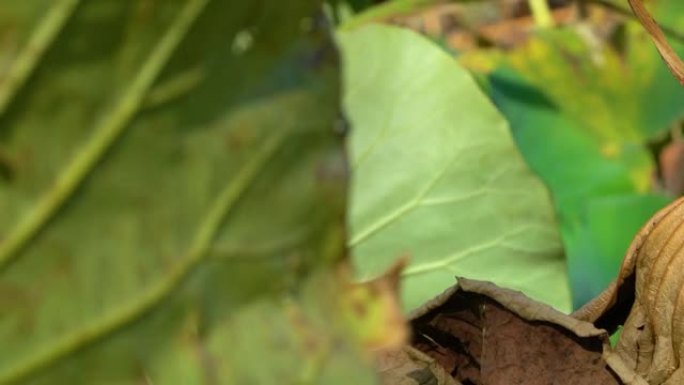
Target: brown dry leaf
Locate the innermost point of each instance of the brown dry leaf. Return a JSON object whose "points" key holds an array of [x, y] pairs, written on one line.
{"points": [[673, 61], [409, 366], [650, 285], [483, 334]]}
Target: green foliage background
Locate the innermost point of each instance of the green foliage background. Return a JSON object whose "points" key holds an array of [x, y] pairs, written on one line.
{"points": [[174, 179]]}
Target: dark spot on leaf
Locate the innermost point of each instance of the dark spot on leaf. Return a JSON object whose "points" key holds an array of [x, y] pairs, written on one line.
{"points": [[359, 308], [341, 126], [480, 340]]}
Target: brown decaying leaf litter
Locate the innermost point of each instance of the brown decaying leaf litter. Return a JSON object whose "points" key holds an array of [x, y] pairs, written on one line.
{"points": [[478, 334], [483, 334]]}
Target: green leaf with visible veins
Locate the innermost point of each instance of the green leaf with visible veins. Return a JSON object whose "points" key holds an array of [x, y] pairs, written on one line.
{"points": [[438, 177], [167, 167]]}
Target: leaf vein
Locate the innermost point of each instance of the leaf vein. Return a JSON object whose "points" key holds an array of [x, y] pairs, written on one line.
{"points": [[106, 132], [405, 208], [42, 38]]}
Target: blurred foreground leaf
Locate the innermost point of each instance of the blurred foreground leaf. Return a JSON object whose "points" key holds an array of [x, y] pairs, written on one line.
{"points": [[437, 176], [172, 195]]}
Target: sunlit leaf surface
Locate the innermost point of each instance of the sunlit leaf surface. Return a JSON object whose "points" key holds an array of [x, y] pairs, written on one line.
{"points": [[437, 177]]}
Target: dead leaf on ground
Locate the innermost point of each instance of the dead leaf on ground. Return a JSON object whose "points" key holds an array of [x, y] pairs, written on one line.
{"points": [[482, 334], [409, 366], [650, 286]]}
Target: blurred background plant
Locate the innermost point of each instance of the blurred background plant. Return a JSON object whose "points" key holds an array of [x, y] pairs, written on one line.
{"points": [[592, 108]]}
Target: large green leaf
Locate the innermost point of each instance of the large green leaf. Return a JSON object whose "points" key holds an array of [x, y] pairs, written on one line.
{"points": [[587, 139], [566, 156], [436, 175], [171, 173], [308, 337], [599, 207]]}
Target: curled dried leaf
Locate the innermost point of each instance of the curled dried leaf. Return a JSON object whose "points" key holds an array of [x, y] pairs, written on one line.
{"points": [[652, 284], [483, 334]]}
